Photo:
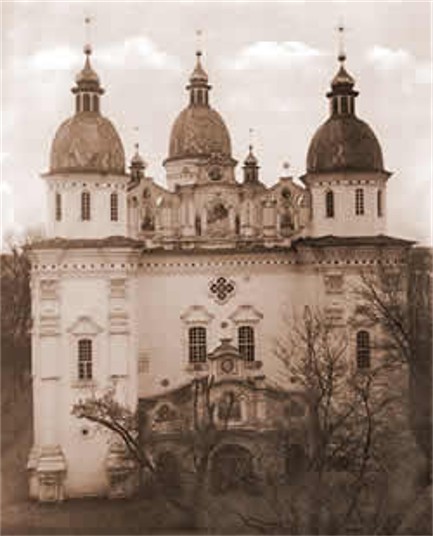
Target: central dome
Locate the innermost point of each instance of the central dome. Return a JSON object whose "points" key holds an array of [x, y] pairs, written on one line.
{"points": [[87, 142], [199, 131], [344, 143]]}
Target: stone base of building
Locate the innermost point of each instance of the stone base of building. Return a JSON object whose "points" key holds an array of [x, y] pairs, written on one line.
{"points": [[122, 473], [47, 470]]}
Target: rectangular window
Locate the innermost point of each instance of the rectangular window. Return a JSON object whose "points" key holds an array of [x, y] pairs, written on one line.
{"points": [[85, 206], [329, 202], [363, 349], [379, 204], [359, 201], [58, 206], [85, 371], [197, 345], [246, 342], [114, 207]]}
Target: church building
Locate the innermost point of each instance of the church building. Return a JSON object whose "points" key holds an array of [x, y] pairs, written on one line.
{"points": [[147, 287]]}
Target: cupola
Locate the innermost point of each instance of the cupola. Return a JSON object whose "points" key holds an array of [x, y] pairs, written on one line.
{"points": [[87, 141], [344, 142], [251, 167], [137, 166], [199, 130]]}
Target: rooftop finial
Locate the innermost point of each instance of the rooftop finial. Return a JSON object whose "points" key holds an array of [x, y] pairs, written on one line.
{"points": [[341, 51], [87, 46], [199, 43], [286, 167], [137, 135], [250, 136]]}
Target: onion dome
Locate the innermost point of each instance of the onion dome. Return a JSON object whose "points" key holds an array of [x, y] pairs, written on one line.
{"points": [[87, 141], [344, 142], [199, 130], [251, 167]]}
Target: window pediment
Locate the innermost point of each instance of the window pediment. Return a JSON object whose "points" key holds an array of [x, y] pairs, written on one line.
{"points": [[85, 325], [246, 314], [197, 314]]}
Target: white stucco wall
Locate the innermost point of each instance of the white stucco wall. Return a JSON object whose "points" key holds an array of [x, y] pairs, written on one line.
{"points": [[345, 221], [100, 187], [166, 293], [85, 307]]}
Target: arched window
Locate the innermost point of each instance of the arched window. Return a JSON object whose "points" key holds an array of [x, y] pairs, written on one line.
{"points": [[85, 359], [246, 342], [114, 206], [197, 344], [237, 225], [359, 201], [58, 206], [95, 103], [85, 206], [86, 102], [379, 204], [334, 106], [229, 407], [165, 413], [329, 203], [77, 103], [296, 461], [363, 349], [344, 108], [198, 225]]}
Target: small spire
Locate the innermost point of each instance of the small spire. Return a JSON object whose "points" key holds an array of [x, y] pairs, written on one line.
{"points": [[87, 28], [198, 81], [251, 164], [138, 165], [199, 35], [286, 167], [88, 88], [341, 50]]}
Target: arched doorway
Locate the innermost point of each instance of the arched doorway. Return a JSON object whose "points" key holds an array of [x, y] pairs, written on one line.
{"points": [[231, 468], [168, 473]]}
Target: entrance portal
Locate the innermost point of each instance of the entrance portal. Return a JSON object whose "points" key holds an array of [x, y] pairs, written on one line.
{"points": [[231, 468]]}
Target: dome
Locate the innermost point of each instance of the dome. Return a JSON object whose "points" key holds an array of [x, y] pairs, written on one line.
{"points": [[199, 131], [342, 143], [87, 142]]}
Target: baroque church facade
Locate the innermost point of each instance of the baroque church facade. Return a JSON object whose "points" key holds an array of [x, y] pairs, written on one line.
{"points": [[147, 287]]}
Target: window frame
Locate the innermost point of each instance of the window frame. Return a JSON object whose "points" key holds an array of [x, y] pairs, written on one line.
{"points": [[363, 350], [379, 203], [247, 347], [197, 344], [114, 206], [58, 206], [85, 352], [359, 202], [329, 204], [86, 206]]}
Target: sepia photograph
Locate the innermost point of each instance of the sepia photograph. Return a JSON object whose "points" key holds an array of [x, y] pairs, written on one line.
{"points": [[216, 267]]}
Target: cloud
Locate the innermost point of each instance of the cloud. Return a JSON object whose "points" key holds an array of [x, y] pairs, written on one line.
{"points": [[400, 61], [61, 58], [389, 59], [273, 54], [423, 73], [135, 51]]}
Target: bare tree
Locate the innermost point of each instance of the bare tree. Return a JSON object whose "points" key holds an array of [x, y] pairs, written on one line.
{"points": [[344, 413], [399, 302], [202, 432]]}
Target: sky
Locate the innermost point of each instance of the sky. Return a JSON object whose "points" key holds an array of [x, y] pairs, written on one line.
{"points": [[270, 65]]}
